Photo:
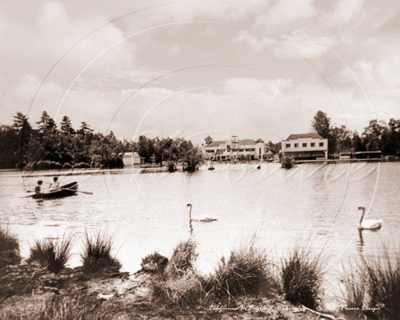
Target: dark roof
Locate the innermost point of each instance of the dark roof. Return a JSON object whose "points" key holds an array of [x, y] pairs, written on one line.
{"points": [[246, 142], [304, 135], [216, 144]]}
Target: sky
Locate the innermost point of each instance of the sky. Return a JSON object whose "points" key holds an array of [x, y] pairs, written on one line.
{"points": [[254, 68]]}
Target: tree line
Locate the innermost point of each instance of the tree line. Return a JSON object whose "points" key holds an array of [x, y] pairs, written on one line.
{"points": [[377, 136], [50, 147]]}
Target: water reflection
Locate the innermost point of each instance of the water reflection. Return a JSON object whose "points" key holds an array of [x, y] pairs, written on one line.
{"points": [[361, 242]]}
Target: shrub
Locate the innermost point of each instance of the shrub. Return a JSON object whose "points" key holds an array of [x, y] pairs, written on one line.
{"points": [[182, 259], [245, 272], [171, 166], [9, 248], [193, 159], [301, 274], [52, 253], [97, 255], [287, 162]]}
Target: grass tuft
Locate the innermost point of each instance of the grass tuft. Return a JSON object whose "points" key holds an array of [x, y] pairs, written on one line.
{"points": [[97, 254], [354, 284], [179, 283], [54, 254], [182, 259], [245, 272], [9, 248], [301, 275]]}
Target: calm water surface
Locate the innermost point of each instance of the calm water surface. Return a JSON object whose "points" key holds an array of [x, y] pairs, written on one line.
{"points": [[148, 212]]}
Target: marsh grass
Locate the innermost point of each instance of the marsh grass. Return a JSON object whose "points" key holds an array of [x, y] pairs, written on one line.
{"points": [[54, 254], [9, 248], [246, 270], [97, 254], [377, 283], [302, 273], [354, 284], [183, 259], [179, 283]]}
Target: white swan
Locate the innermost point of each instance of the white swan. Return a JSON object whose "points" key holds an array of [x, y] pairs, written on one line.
{"points": [[368, 224], [202, 218]]}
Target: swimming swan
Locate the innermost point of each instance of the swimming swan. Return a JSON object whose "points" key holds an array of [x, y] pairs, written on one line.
{"points": [[202, 219], [368, 224]]}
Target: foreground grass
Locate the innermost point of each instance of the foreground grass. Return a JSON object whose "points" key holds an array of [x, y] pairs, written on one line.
{"points": [[9, 248], [59, 308], [301, 275], [374, 282], [245, 272], [54, 254], [97, 254]]}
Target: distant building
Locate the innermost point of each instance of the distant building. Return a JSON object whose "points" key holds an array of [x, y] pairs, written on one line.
{"points": [[132, 158], [306, 146], [234, 148]]}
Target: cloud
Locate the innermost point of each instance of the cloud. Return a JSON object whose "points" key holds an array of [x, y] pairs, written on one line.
{"points": [[298, 44], [284, 12], [346, 11], [254, 42]]}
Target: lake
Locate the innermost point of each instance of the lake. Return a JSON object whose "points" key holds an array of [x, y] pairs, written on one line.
{"points": [[148, 212]]}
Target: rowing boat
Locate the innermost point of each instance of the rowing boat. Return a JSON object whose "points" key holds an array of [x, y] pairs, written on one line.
{"points": [[67, 190]]}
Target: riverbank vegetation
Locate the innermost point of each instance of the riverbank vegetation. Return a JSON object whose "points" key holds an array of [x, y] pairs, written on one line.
{"points": [[246, 281], [53, 254], [49, 147], [9, 247], [97, 254], [373, 283]]}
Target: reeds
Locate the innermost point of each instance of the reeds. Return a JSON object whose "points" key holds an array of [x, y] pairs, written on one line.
{"points": [[179, 283], [245, 272], [374, 283], [97, 256], [301, 275], [54, 254], [182, 259], [9, 248]]}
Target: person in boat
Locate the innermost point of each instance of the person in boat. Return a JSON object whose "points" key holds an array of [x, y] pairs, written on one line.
{"points": [[55, 185], [38, 188]]}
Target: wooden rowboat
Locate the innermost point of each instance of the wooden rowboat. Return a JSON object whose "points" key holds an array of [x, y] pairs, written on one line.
{"points": [[67, 190]]}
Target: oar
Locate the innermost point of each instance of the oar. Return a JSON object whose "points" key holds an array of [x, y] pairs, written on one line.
{"points": [[86, 192]]}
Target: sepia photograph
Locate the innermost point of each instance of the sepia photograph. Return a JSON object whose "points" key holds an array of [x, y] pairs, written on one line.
{"points": [[200, 159]]}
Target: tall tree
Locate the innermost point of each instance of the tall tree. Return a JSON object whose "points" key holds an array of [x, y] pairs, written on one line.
{"points": [[208, 140], [66, 125], [85, 129], [321, 124]]}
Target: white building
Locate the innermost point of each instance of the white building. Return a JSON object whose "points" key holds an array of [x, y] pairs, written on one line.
{"points": [[132, 158], [306, 146], [234, 148]]}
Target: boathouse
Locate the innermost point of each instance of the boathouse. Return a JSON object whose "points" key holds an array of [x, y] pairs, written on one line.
{"points": [[305, 146]]}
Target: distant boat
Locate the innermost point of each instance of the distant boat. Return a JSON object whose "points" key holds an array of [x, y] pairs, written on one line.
{"points": [[67, 190]]}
